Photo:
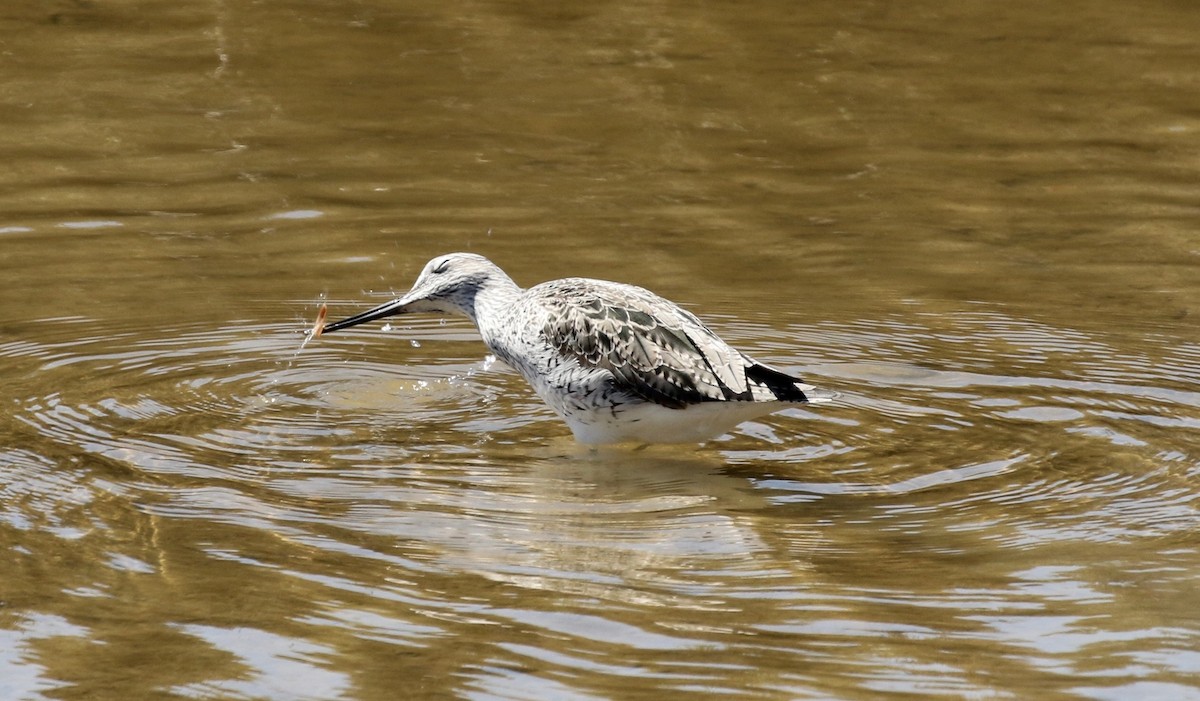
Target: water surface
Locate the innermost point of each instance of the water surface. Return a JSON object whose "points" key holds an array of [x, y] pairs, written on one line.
{"points": [[976, 222]]}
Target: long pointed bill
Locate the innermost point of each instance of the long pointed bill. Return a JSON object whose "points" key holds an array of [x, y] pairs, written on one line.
{"points": [[396, 306]]}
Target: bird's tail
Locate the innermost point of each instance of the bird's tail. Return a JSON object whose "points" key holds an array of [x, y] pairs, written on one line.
{"points": [[785, 387]]}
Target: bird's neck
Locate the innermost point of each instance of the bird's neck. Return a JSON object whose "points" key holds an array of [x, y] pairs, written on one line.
{"points": [[496, 295]]}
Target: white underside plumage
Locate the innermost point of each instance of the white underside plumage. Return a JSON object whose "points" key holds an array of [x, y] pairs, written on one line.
{"points": [[597, 411], [650, 423]]}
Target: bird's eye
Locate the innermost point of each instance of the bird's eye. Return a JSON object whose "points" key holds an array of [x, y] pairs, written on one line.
{"points": [[441, 267]]}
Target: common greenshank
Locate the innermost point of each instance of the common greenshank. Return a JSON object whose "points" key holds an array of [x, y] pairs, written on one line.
{"points": [[616, 362]]}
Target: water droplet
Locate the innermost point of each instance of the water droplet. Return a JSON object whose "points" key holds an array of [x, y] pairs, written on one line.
{"points": [[415, 343]]}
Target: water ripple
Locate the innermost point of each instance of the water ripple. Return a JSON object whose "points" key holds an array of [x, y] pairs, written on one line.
{"points": [[413, 493]]}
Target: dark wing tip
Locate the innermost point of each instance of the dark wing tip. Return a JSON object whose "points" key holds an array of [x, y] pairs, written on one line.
{"points": [[781, 384]]}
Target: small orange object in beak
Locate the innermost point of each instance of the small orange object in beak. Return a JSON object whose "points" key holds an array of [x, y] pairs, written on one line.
{"points": [[319, 325]]}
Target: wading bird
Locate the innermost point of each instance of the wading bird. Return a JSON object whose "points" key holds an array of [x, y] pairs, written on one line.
{"points": [[616, 362]]}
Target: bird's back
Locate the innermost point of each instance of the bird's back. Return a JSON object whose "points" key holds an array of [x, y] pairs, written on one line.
{"points": [[653, 348]]}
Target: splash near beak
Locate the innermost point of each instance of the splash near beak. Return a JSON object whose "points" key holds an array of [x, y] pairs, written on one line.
{"points": [[396, 306]]}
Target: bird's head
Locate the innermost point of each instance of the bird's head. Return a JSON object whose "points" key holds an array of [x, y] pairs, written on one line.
{"points": [[448, 284]]}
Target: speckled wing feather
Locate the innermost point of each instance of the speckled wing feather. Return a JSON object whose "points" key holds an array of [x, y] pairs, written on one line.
{"points": [[653, 348]]}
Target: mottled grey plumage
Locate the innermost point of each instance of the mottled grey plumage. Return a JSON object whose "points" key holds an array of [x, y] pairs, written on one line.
{"points": [[616, 362], [656, 350]]}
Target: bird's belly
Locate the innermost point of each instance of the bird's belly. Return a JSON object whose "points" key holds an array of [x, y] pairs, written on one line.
{"points": [[646, 422], [598, 410]]}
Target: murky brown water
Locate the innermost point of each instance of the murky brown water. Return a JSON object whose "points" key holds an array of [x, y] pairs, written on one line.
{"points": [[978, 221]]}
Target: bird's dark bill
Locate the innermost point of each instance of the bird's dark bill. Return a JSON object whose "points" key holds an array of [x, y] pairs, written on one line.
{"points": [[384, 310]]}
